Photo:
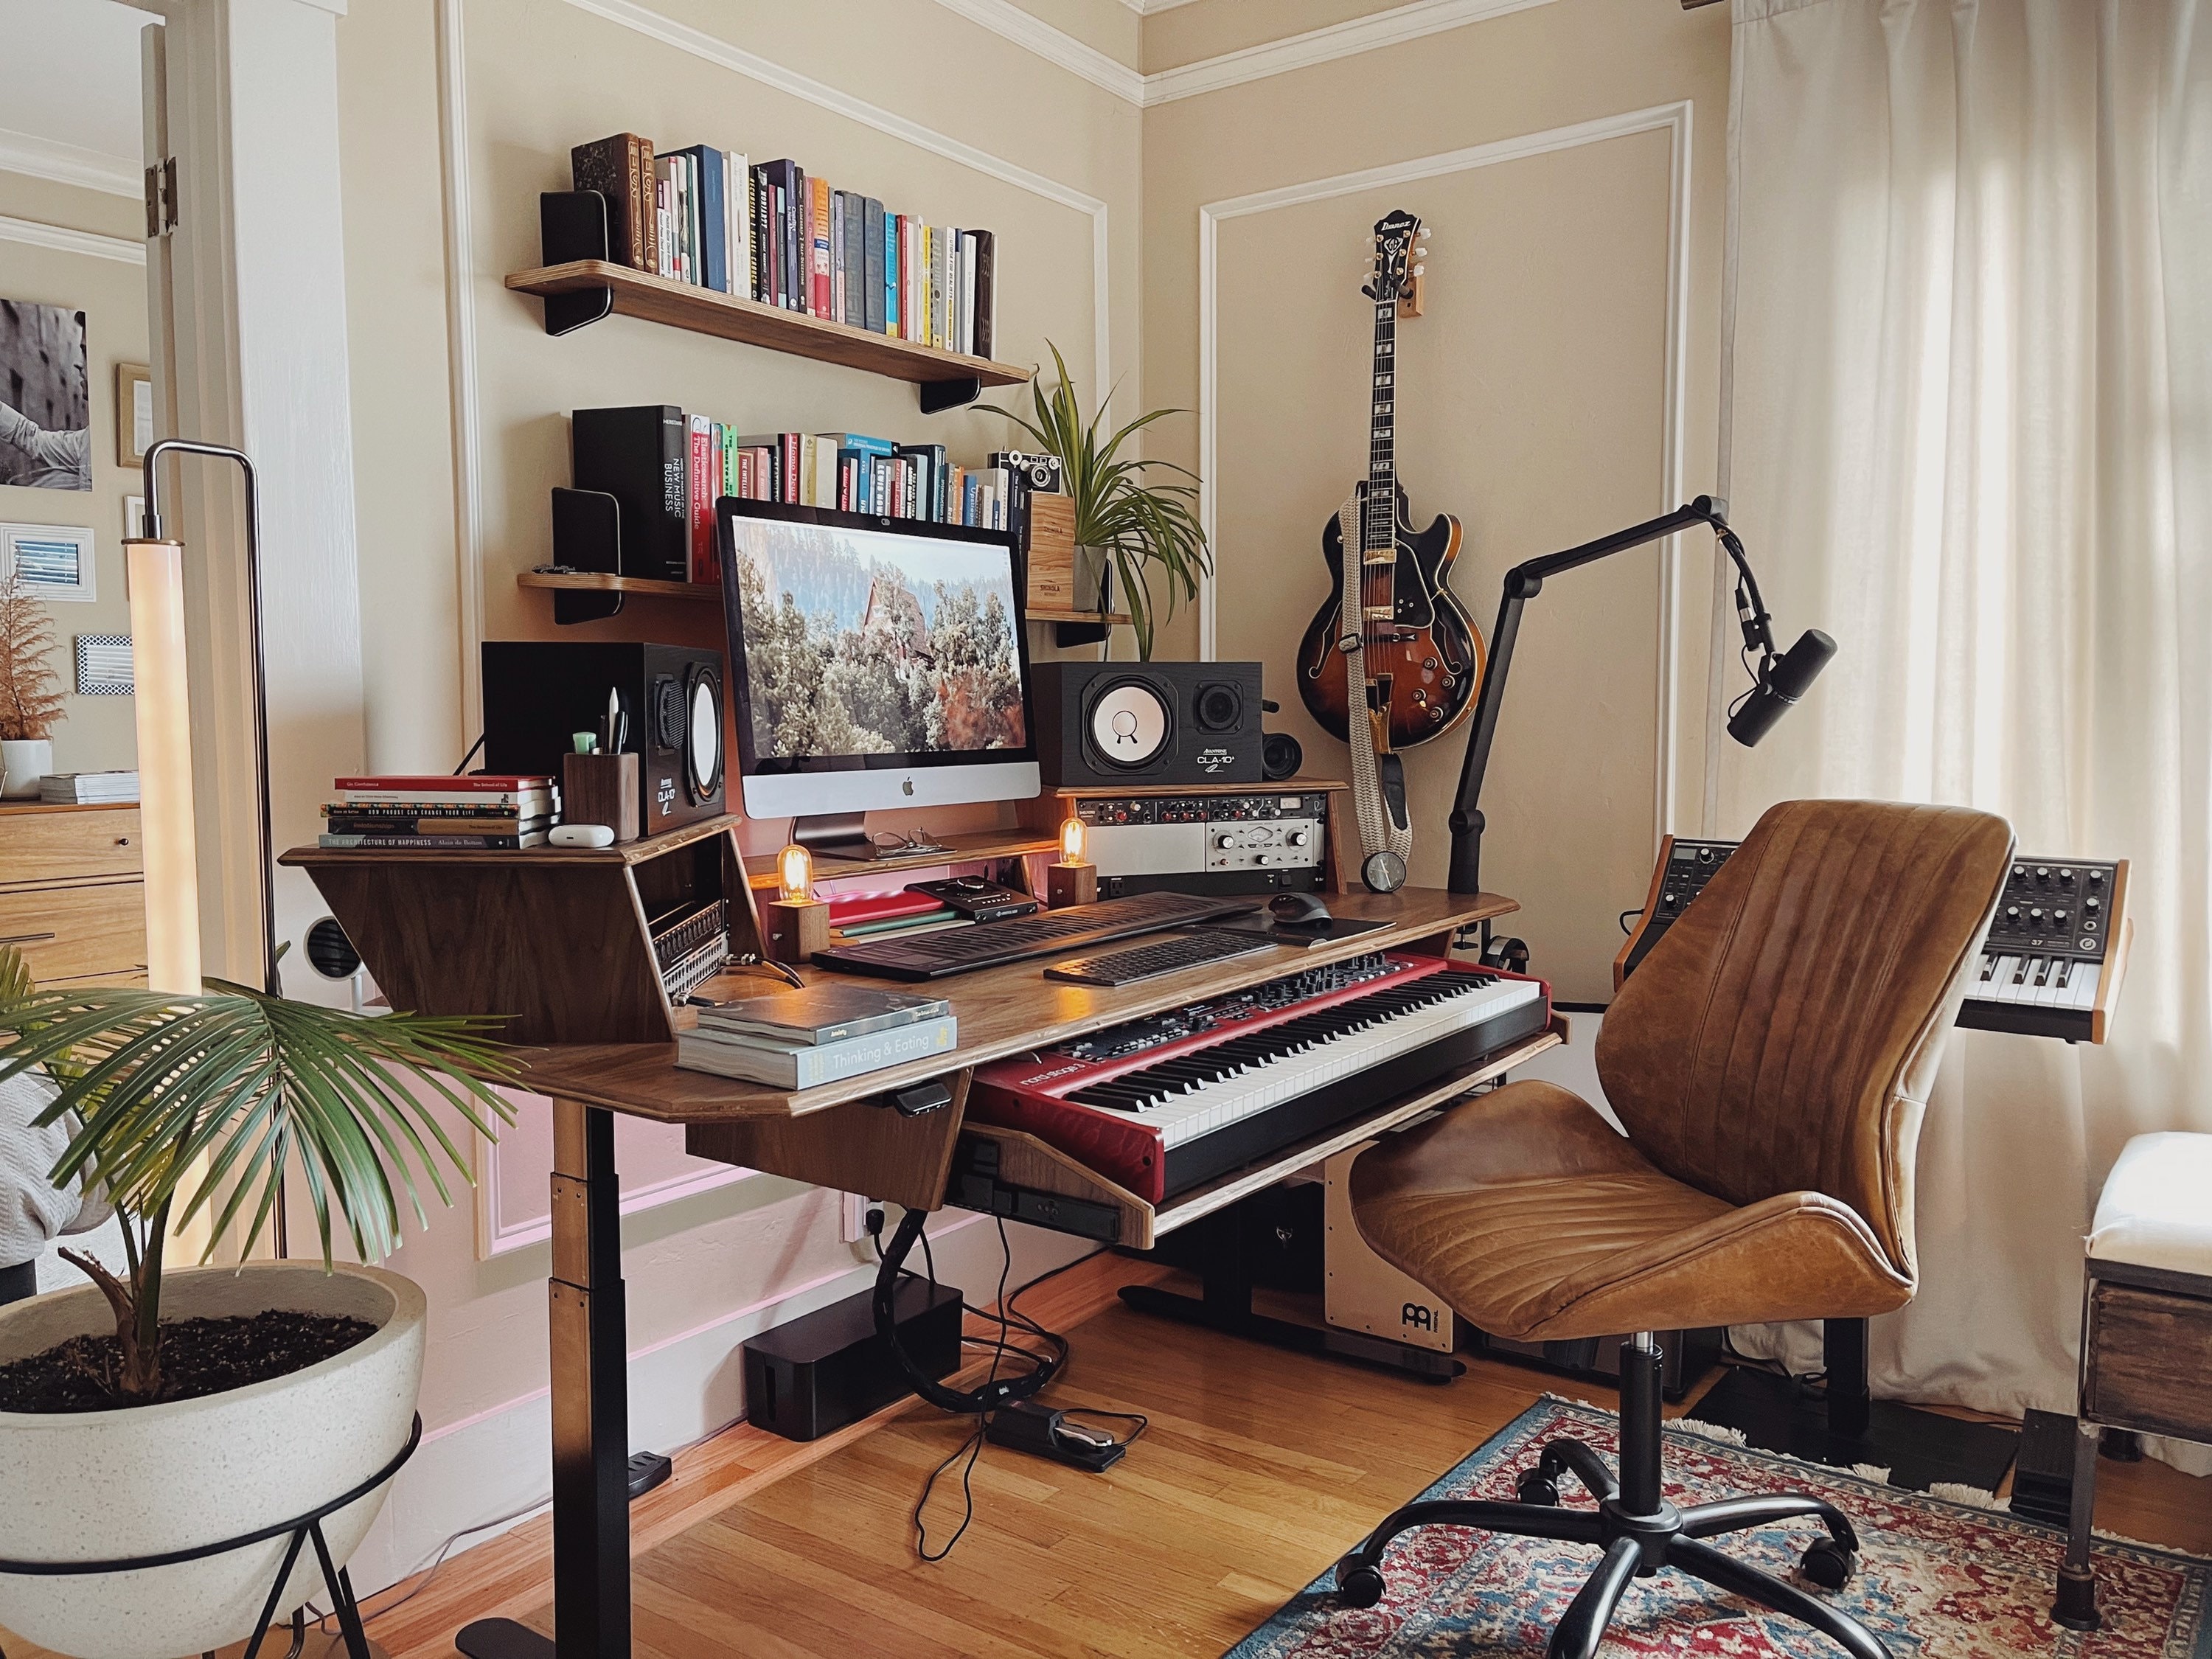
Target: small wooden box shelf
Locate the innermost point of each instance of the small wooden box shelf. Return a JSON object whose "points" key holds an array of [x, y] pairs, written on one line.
{"points": [[557, 938]]}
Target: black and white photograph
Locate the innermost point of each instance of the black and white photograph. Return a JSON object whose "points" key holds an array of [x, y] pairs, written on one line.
{"points": [[886, 647], [45, 402]]}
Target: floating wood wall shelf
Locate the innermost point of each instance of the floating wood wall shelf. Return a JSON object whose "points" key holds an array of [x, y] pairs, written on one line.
{"points": [[947, 379]]}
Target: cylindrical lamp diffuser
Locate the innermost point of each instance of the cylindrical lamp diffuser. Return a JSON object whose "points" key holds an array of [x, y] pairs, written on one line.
{"points": [[155, 573]]}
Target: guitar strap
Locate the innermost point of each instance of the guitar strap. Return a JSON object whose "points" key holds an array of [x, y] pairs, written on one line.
{"points": [[1380, 826]]}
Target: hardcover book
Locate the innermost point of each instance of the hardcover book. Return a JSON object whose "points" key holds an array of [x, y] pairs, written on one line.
{"points": [[803, 1066], [822, 1013], [640, 455], [621, 169]]}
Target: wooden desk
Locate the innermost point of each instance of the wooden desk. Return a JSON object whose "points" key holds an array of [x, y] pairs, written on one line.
{"points": [[843, 1135]]}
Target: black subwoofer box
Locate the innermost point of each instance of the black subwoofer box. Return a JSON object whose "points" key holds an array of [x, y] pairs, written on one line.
{"points": [[1108, 723], [829, 1368], [537, 694]]}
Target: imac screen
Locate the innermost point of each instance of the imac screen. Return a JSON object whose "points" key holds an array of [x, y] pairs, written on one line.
{"points": [[860, 641]]}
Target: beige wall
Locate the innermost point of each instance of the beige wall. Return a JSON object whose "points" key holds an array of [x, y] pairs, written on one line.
{"points": [[96, 733], [1536, 398]]}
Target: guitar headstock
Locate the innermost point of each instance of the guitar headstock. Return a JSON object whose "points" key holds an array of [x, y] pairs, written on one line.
{"points": [[1396, 277]]}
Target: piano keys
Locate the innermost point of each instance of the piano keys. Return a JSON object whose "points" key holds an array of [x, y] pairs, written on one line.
{"points": [[1162, 1105], [2057, 950]]}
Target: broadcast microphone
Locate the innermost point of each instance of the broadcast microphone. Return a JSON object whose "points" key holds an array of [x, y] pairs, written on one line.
{"points": [[1787, 678]]}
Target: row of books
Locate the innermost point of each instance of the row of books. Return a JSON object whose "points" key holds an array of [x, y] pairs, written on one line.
{"points": [[478, 812], [665, 470], [850, 472], [772, 233], [798, 1039], [88, 788]]}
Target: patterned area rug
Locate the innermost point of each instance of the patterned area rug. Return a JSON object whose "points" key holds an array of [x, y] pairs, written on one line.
{"points": [[1936, 1580]]}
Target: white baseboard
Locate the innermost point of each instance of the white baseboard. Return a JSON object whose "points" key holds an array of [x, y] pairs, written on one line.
{"points": [[680, 1390]]}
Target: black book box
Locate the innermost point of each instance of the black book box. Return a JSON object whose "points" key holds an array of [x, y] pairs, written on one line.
{"points": [[642, 456]]}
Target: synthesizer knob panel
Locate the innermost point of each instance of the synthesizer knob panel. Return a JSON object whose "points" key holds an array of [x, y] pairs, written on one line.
{"points": [[2051, 967]]}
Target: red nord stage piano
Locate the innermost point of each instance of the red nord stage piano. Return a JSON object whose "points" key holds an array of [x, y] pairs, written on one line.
{"points": [[1161, 1105]]}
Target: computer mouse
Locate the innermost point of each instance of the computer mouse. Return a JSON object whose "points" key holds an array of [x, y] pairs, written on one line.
{"points": [[1297, 910]]}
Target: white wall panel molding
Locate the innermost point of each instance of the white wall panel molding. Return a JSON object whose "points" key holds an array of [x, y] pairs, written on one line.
{"points": [[1674, 121], [462, 278], [69, 164], [63, 239]]}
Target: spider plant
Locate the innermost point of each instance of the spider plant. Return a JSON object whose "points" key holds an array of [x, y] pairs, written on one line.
{"points": [[205, 1100], [1133, 523]]}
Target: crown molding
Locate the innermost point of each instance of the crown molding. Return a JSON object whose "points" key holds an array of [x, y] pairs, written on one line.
{"points": [[1010, 22], [1322, 46], [68, 164], [1410, 22], [63, 239]]}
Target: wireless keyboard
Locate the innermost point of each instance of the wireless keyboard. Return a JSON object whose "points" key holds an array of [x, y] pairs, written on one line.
{"points": [[995, 944], [1169, 955]]}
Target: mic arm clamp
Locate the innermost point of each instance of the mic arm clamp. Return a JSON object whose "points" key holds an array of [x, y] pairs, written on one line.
{"points": [[1523, 583]]}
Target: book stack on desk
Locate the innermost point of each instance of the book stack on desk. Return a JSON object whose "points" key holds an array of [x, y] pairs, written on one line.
{"points": [[797, 1039], [875, 915], [475, 813]]}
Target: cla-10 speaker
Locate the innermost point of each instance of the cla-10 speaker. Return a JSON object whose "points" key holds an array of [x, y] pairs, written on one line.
{"points": [[1153, 723], [539, 694]]}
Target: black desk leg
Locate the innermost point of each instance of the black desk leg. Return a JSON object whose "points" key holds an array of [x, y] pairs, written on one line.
{"points": [[591, 1410]]}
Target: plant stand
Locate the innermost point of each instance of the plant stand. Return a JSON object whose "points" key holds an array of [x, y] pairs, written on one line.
{"points": [[305, 1530]]}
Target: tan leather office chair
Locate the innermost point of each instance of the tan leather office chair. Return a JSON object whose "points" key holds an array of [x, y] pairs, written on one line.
{"points": [[1771, 1060]]}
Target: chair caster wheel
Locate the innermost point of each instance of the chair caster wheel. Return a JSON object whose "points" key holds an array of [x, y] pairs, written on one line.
{"points": [[1827, 1563], [1534, 1486], [1359, 1587]]}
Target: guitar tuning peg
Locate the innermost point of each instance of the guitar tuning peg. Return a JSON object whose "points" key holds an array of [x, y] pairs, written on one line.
{"points": [[1418, 270]]}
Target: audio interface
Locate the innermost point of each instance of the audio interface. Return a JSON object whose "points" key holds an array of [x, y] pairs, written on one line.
{"points": [[1237, 843]]}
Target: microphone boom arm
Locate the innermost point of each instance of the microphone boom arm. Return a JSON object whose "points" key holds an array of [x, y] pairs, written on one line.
{"points": [[1523, 583]]}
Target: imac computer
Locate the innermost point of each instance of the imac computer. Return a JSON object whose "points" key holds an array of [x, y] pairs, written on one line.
{"points": [[874, 663]]}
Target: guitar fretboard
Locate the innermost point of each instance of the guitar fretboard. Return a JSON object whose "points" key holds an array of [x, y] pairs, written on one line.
{"points": [[1378, 541]]}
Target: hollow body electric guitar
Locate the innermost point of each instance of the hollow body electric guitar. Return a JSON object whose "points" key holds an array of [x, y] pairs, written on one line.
{"points": [[1423, 655]]}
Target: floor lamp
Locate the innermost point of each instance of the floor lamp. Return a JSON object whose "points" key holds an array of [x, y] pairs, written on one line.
{"points": [[155, 566]]}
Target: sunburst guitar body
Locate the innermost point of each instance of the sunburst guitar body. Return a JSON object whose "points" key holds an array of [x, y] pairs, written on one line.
{"points": [[1424, 665], [1423, 655]]}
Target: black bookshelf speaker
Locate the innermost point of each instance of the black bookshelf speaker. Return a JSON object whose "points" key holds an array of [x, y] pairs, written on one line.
{"points": [[1106, 723], [537, 694]]}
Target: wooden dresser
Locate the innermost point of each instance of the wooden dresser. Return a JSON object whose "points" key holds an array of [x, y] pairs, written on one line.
{"points": [[73, 893]]}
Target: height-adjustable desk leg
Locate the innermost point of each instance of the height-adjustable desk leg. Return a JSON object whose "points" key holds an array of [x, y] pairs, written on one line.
{"points": [[591, 1410]]}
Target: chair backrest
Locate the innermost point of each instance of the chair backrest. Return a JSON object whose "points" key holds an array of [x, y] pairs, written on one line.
{"points": [[1782, 1035]]}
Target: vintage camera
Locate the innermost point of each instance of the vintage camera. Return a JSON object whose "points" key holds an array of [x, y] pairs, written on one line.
{"points": [[1037, 473]]}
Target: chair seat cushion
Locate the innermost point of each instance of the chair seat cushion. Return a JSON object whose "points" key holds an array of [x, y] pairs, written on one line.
{"points": [[2156, 1208], [1535, 1221]]}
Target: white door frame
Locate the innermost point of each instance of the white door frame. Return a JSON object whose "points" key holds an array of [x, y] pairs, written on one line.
{"points": [[246, 296]]}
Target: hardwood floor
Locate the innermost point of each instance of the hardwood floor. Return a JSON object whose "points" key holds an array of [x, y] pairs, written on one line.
{"points": [[1259, 1468]]}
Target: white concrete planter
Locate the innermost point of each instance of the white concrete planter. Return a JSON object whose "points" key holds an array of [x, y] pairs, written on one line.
{"points": [[23, 762], [113, 1485]]}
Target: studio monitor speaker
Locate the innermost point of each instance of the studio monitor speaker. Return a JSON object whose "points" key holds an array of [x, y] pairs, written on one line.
{"points": [[537, 694], [1108, 723]]}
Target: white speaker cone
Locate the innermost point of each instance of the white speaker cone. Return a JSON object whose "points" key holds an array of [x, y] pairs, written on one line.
{"points": [[1128, 724], [705, 736]]}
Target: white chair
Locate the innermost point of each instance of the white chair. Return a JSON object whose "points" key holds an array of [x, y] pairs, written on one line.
{"points": [[2146, 1326]]}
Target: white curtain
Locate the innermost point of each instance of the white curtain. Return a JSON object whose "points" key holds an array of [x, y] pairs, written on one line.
{"points": [[1968, 430]]}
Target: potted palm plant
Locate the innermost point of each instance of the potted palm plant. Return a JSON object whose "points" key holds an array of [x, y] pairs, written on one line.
{"points": [[161, 1409], [1125, 522]]}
